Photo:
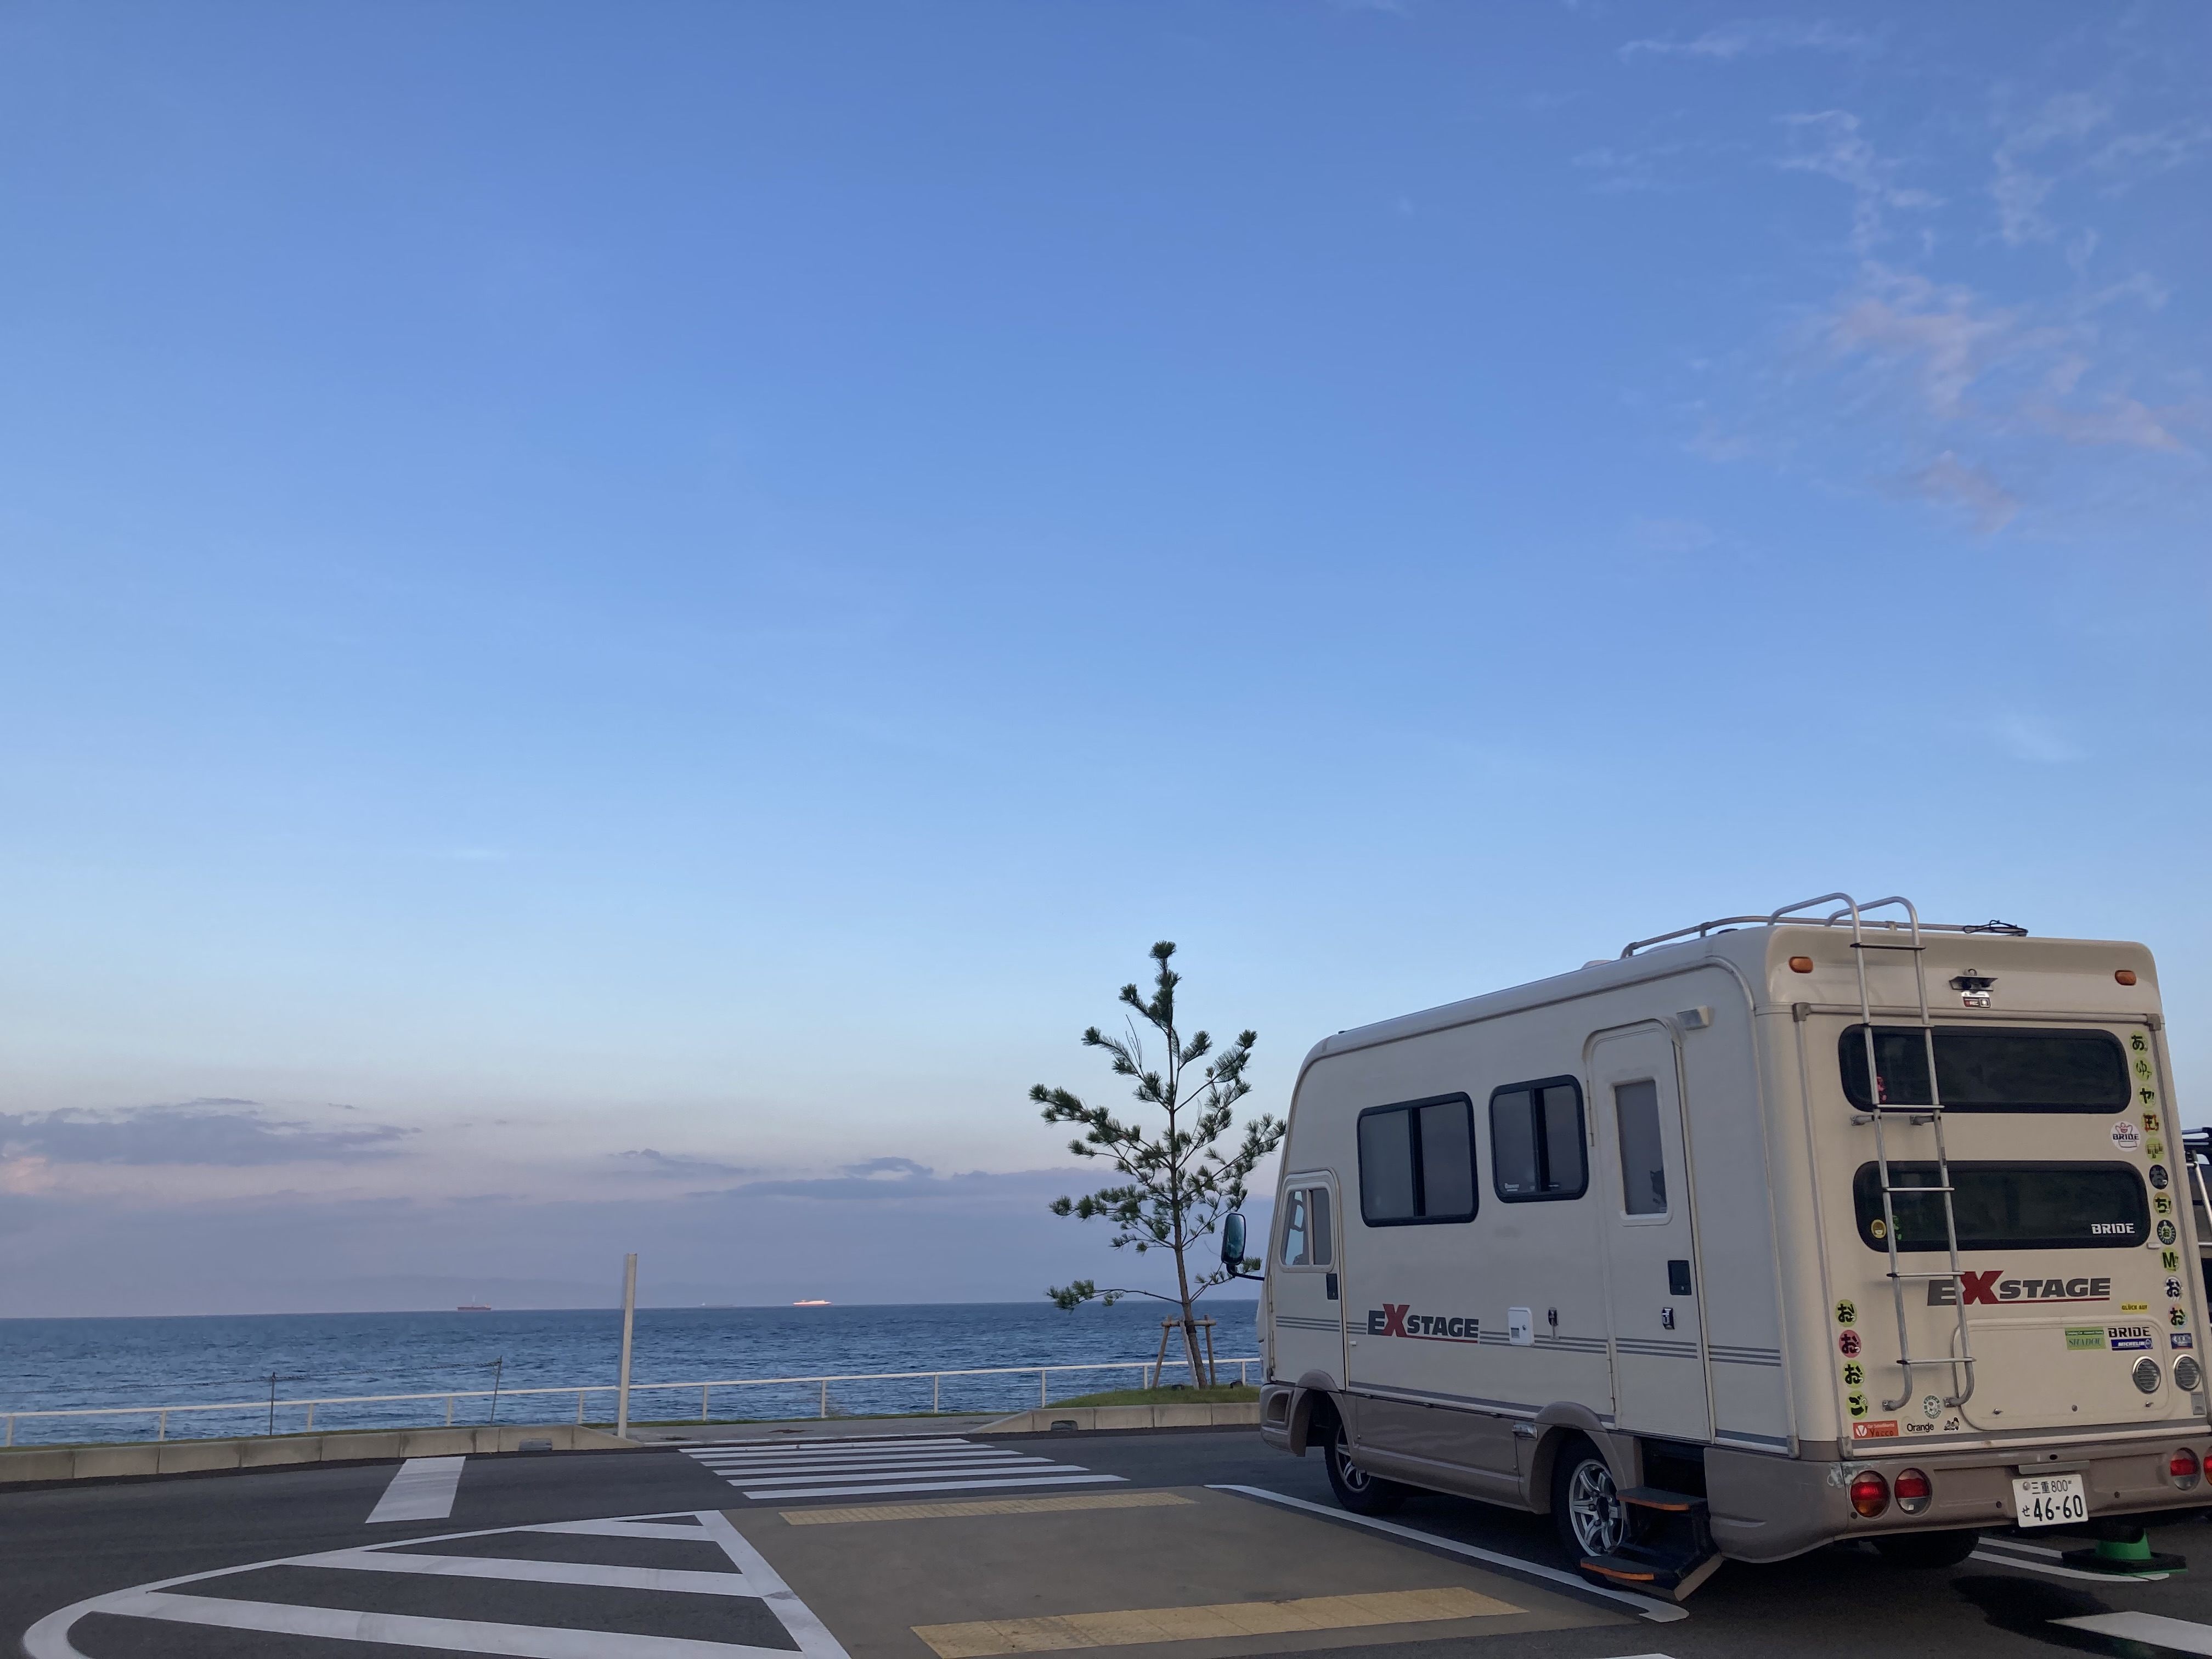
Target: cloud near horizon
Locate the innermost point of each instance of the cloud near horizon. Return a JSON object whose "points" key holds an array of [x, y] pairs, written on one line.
{"points": [[221, 1132]]}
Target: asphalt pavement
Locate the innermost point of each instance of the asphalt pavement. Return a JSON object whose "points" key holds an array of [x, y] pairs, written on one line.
{"points": [[1196, 1544]]}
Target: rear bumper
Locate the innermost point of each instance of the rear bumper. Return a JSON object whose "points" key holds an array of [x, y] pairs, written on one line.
{"points": [[1766, 1509]]}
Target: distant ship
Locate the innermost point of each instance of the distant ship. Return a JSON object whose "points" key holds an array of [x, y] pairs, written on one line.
{"points": [[474, 1307], [813, 1302]]}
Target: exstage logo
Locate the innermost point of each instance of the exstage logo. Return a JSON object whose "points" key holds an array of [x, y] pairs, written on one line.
{"points": [[1992, 1288], [1398, 1319]]}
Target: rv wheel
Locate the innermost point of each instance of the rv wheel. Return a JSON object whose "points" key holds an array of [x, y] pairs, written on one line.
{"points": [[1356, 1489], [1586, 1506], [1927, 1549]]}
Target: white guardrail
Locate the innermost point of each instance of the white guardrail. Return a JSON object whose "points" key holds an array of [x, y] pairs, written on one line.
{"points": [[1043, 1373]]}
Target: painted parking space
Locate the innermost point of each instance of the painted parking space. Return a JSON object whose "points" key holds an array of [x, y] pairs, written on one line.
{"points": [[1187, 1572]]}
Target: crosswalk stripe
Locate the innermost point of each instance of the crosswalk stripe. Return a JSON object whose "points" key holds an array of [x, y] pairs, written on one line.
{"points": [[933, 1486], [606, 1530], [421, 1489], [794, 1479], [535, 1572], [892, 1466]]}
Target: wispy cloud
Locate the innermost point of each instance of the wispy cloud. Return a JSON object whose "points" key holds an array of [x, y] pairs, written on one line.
{"points": [[649, 1162], [230, 1133], [1832, 145], [2031, 738], [1953, 482], [2018, 190], [1753, 37]]}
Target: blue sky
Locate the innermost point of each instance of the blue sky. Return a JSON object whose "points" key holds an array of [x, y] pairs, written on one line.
{"points": [[616, 625]]}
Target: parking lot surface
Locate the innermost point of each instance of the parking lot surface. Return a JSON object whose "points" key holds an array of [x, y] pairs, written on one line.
{"points": [[944, 1545]]}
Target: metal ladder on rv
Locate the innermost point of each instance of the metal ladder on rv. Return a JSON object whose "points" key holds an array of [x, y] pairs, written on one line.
{"points": [[1931, 1114]]}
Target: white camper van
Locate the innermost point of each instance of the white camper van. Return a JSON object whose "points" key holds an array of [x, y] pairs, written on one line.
{"points": [[1775, 1230]]}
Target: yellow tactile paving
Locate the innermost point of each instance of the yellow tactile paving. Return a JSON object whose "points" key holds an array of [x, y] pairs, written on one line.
{"points": [[1103, 1500], [990, 1636]]}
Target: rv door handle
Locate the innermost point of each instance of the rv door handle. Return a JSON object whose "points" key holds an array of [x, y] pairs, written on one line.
{"points": [[1331, 1287]]}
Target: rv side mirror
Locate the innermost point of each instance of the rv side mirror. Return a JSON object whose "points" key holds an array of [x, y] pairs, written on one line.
{"points": [[1232, 1241]]}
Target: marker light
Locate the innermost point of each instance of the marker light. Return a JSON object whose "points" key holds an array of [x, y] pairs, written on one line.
{"points": [[1801, 964], [1870, 1493], [1914, 1493], [2125, 976], [2183, 1468]]}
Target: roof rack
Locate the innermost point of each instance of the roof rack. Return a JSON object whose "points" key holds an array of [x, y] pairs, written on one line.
{"points": [[1850, 913]]}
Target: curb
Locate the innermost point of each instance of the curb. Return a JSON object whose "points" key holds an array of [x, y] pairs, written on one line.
{"points": [[1047, 1419], [51, 1464]]}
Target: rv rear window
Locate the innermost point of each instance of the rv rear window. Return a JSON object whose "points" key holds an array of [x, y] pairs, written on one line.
{"points": [[1417, 1161], [2007, 1207], [1536, 1141], [1990, 1068]]}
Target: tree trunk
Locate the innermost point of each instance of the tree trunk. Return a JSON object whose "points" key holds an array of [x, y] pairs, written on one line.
{"points": [[1200, 1378]]}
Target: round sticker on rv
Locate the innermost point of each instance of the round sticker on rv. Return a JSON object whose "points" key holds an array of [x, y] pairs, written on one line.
{"points": [[1848, 1342], [2158, 1177], [2165, 1233], [2126, 1136], [1847, 1313]]}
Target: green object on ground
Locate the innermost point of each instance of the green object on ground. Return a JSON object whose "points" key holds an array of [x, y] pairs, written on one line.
{"points": [[1230, 1396], [2125, 1549]]}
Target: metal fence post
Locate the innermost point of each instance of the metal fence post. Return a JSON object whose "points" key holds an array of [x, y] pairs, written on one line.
{"points": [[449, 1410], [310, 1415], [580, 1409], [702, 1401], [160, 1429], [825, 1396], [936, 1393], [1041, 1374]]}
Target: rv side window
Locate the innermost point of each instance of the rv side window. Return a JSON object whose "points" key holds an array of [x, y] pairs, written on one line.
{"points": [[1990, 1069], [1417, 1161], [1306, 1242], [1536, 1141], [1643, 1166], [2007, 1207]]}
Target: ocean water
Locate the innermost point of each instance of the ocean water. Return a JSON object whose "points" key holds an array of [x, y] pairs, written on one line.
{"points": [[75, 1364]]}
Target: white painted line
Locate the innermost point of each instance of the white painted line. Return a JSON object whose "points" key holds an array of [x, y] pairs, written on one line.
{"points": [[412, 1631], [2016, 1543], [2154, 1628], [951, 1454], [1995, 1559], [791, 1461], [421, 1489], [808, 1479], [844, 1472], [874, 1454], [930, 1485], [813, 1636], [1660, 1613], [389, 1559], [820, 1448]]}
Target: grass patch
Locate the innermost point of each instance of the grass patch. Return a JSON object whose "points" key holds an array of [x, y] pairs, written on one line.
{"points": [[1232, 1394]]}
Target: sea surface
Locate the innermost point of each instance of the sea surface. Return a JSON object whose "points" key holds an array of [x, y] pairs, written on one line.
{"points": [[243, 1363]]}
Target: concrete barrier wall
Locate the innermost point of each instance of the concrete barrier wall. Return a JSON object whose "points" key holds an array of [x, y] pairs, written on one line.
{"points": [[24, 1463], [1194, 1416]]}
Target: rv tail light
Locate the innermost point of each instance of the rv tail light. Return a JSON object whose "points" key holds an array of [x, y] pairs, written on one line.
{"points": [[2183, 1468], [2125, 976], [1870, 1493], [1801, 964], [1914, 1493]]}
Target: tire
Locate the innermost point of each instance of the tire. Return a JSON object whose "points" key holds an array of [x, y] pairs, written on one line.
{"points": [[1927, 1549], [1355, 1488], [1586, 1505]]}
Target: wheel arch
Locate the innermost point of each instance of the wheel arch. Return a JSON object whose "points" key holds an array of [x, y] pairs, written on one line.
{"points": [[1560, 1424], [1317, 1392]]}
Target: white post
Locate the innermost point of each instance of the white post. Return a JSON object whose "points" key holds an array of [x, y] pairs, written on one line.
{"points": [[702, 1401], [630, 1314]]}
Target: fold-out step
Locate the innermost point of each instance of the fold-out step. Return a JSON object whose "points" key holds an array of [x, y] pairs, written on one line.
{"points": [[1667, 1548]]}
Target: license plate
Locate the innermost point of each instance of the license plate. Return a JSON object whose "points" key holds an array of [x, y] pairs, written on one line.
{"points": [[2051, 1500]]}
